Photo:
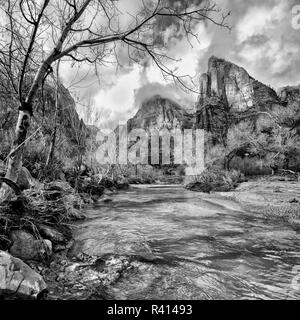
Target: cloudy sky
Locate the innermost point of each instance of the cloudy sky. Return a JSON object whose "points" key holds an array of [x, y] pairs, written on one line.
{"points": [[262, 40]]}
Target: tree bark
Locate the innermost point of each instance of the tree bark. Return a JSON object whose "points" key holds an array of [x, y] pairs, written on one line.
{"points": [[54, 133], [24, 118], [227, 161], [12, 185], [15, 156]]}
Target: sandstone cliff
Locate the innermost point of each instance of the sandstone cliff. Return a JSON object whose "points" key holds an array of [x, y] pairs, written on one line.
{"points": [[234, 87], [228, 95]]}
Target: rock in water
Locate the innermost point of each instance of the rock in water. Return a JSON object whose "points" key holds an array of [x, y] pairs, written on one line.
{"points": [[26, 247], [52, 234], [18, 280]]}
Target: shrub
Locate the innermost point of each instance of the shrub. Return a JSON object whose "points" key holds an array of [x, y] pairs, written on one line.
{"points": [[51, 206], [216, 180]]}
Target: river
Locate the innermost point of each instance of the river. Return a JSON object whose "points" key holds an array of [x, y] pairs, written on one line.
{"points": [[187, 245]]}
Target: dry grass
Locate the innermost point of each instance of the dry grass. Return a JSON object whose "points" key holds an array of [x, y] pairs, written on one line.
{"points": [[33, 208]]}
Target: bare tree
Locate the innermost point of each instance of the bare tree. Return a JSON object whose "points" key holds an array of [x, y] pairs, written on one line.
{"points": [[79, 135], [36, 34], [56, 113]]}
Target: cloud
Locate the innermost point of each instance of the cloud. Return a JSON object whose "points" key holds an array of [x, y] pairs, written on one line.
{"points": [[169, 91], [268, 45], [262, 41], [122, 93], [118, 101], [260, 19]]}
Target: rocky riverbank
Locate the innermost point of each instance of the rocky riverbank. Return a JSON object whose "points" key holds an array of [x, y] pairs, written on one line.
{"points": [[40, 260], [272, 196], [36, 235]]}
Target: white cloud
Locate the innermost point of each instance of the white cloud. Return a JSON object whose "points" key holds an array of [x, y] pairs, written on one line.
{"points": [[119, 99], [259, 19], [117, 102], [267, 45], [278, 53], [262, 41]]}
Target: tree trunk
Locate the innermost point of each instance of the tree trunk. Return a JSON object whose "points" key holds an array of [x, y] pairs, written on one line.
{"points": [[52, 147], [15, 156], [12, 185], [227, 161], [54, 133], [25, 112], [286, 164]]}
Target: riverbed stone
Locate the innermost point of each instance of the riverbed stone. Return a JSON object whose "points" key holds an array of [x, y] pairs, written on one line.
{"points": [[51, 234], [18, 280], [26, 247], [119, 244]]}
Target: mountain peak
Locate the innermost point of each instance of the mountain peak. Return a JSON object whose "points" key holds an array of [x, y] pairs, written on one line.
{"points": [[153, 98], [215, 60], [234, 86], [160, 112]]}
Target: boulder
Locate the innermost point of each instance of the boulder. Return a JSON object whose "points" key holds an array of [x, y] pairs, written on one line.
{"points": [[62, 186], [26, 247], [57, 189], [18, 280], [51, 234]]}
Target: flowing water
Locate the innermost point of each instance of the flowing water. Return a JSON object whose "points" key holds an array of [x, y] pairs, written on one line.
{"points": [[187, 245]]}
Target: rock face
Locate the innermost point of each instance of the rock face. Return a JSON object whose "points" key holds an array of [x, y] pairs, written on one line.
{"points": [[26, 247], [228, 95], [18, 280], [69, 117], [157, 115], [234, 86]]}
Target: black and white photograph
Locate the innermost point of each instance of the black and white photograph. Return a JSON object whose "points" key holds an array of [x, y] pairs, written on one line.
{"points": [[149, 151]]}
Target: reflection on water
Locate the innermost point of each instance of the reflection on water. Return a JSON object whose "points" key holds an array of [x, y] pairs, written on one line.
{"points": [[192, 246]]}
